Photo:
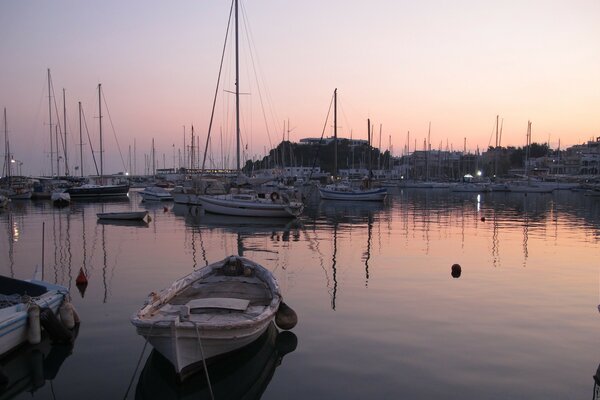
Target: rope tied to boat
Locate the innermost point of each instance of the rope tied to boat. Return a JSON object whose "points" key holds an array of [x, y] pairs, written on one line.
{"points": [[139, 362], [212, 396]]}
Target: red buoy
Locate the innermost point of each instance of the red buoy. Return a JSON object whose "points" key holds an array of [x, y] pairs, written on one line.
{"points": [[81, 278]]}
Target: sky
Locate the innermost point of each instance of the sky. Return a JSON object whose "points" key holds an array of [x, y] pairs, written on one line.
{"points": [[402, 64]]}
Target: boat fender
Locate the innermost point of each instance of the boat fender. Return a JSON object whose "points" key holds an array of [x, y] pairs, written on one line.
{"points": [[57, 331], [274, 196], [456, 270], [67, 316], [34, 331], [286, 342], [286, 318]]}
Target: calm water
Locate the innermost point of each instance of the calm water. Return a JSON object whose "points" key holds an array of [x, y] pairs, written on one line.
{"points": [[380, 316]]}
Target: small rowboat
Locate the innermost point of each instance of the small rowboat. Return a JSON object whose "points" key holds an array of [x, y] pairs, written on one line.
{"points": [[212, 311], [125, 215]]}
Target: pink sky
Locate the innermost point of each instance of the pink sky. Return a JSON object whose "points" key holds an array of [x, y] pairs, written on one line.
{"points": [[402, 64]]}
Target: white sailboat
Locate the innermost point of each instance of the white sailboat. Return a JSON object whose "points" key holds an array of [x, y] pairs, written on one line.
{"points": [[528, 185], [343, 190], [248, 204]]}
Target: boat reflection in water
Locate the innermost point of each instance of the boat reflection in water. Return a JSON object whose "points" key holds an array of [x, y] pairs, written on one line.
{"points": [[30, 366], [243, 374]]}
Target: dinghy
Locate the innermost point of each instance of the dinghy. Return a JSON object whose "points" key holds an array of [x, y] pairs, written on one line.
{"points": [[19, 322], [210, 312], [124, 215]]}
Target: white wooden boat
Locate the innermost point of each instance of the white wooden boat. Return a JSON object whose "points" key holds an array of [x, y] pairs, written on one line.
{"points": [[210, 312], [244, 374], [16, 297], [156, 193], [124, 215], [251, 205], [60, 198], [343, 191]]}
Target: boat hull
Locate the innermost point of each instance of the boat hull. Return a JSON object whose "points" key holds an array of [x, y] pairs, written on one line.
{"points": [[13, 319], [99, 191], [128, 216], [224, 206], [354, 195]]}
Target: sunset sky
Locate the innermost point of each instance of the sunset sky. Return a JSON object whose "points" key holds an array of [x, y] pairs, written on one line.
{"points": [[403, 64]]}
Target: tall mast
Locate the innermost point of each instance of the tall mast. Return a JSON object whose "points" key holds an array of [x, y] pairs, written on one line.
{"points": [[153, 160], [50, 123], [6, 146], [100, 125], [80, 144], [496, 150], [335, 144], [65, 142], [237, 89], [57, 150]]}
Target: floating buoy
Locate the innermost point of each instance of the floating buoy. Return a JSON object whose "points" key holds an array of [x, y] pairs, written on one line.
{"points": [[482, 219], [34, 331], [165, 209], [67, 316], [285, 318], [57, 331], [456, 270], [286, 342], [149, 218], [81, 278]]}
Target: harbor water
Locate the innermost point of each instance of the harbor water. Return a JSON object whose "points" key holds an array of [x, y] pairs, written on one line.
{"points": [[380, 314]]}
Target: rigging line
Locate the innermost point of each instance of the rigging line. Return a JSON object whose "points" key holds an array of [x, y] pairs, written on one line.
{"points": [[212, 113], [62, 141], [256, 78], [113, 130], [319, 148], [90, 141]]}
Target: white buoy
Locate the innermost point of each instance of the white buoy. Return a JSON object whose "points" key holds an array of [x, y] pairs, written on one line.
{"points": [[67, 315], [34, 331]]}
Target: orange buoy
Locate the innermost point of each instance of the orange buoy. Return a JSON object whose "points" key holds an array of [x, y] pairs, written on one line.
{"points": [[81, 278]]}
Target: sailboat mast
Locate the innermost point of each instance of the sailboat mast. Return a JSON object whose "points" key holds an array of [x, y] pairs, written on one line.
{"points": [[237, 89], [335, 133], [65, 123], [80, 144], [6, 146], [50, 123], [100, 126]]}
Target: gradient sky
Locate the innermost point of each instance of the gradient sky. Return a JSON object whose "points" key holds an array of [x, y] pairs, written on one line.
{"points": [[401, 63]]}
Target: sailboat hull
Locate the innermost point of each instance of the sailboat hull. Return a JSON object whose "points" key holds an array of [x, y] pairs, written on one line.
{"points": [[99, 191], [228, 205], [354, 195]]}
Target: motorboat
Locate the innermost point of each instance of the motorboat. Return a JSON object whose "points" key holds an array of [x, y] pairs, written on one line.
{"points": [[60, 198], [344, 191], [155, 193], [251, 204], [213, 311]]}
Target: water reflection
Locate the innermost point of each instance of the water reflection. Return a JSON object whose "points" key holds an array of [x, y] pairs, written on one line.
{"points": [[244, 374], [28, 368]]}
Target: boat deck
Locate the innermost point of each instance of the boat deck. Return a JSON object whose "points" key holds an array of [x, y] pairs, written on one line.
{"points": [[221, 286]]}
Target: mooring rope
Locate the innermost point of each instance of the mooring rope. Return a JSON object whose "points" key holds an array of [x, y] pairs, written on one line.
{"points": [[139, 362], [212, 396]]}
